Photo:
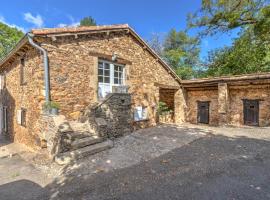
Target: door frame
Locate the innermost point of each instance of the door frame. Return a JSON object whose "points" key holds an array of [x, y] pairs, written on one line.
{"points": [[198, 111], [257, 101]]}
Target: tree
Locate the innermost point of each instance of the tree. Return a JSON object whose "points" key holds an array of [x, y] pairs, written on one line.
{"points": [[182, 53], [88, 21], [247, 55], [224, 15], [250, 53], [156, 43], [9, 36]]}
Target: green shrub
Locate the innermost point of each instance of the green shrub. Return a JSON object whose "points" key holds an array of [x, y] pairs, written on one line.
{"points": [[163, 109], [50, 105]]}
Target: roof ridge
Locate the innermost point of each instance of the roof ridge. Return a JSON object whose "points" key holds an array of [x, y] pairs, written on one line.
{"points": [[45, 31]]}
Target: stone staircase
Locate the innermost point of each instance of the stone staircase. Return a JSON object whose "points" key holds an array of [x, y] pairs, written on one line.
{"points": [[79, 143]]}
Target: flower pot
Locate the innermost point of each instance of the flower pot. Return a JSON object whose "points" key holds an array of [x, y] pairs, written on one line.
{"points": [[54, 111]]}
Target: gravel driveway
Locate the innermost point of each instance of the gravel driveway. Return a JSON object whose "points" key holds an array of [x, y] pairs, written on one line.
{"points": [[171, 162]]}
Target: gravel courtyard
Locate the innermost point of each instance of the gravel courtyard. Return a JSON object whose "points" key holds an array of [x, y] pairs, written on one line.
{"points": [[164, 162]]}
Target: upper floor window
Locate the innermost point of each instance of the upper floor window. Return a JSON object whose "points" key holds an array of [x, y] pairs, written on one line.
{"points": [[118, 74], [22, 72], [104, 72], [110, 76]]}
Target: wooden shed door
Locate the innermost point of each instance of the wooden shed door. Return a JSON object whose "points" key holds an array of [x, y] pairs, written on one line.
{"points": [[251, 112], [203, 112]]}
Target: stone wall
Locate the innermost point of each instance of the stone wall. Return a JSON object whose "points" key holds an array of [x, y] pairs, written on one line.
{"points": [[111, 118], [226, 103], [237, 93], [29, 96], [193, 96]]}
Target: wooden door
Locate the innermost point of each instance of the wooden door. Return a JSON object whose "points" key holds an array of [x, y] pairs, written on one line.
{"points": [[251, 112], [203, 112]]}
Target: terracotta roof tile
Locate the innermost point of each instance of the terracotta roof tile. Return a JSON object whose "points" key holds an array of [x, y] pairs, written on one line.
{"points": [[47, 31]]}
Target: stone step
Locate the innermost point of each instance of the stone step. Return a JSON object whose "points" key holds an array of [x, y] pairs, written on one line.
{"points": [[86, 141], [79, 135], [67, 157]]}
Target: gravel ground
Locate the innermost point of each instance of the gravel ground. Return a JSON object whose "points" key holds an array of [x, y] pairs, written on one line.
{"points": [[166, 162]]}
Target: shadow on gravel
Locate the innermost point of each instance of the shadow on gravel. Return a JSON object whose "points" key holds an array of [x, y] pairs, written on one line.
{"points": [[21, 189], [212, 167]]}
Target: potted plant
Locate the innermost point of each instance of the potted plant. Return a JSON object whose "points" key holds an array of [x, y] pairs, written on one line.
{"points": [[51, 108]]}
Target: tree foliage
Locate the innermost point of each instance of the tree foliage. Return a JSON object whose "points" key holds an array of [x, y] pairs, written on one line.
{"points": [[224, 15], [247, 55], [9, 36], [179, 50], [88, 21], [250, 52]]}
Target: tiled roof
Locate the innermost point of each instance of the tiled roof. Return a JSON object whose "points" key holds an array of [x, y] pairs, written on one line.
{"points": [[47, 31], [242, 77]]}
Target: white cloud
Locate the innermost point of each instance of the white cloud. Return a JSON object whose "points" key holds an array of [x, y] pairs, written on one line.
{"points": [[3, 20], [36, 20], [72, 23]]}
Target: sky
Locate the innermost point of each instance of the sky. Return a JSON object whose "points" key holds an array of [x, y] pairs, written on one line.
{"points": [[147, 17]]}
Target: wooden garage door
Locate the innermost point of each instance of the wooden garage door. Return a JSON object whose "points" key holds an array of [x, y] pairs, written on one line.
{"points": [[251, 112], [203, 112]]}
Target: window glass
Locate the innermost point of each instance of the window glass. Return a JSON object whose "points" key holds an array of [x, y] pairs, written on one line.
{"points": [[106, 72], [103, 72], [118, 74], [106, 79]]}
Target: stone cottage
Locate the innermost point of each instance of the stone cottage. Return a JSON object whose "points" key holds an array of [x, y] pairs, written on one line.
{"points": [[93, 73], [107, 82]]}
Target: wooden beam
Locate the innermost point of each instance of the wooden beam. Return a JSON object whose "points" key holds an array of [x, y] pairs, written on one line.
{"points": [[109, 58]]}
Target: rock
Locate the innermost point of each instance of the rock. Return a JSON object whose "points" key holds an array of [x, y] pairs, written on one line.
{"points": [[75, 115]]}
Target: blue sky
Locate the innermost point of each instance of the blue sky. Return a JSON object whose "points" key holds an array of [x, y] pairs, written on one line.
{"points": [[145, 16]]}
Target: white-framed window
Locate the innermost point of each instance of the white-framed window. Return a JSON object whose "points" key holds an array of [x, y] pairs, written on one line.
{"points": [[118, 74], [140, 113], [5, 120], [2, 81], [21, 117], [103, 72], [109, 75]]}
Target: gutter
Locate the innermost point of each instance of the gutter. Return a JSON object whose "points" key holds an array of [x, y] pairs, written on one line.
{"points": [[45, 64]]}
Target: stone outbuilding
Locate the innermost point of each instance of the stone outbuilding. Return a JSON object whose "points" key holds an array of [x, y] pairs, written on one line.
{"points": [[109, 78], [236, 100]]}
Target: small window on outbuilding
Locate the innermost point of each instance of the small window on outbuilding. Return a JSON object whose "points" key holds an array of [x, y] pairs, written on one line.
{"points": [[22, 72], [2, 81], [5, 120], [140, 113], [21, 117]]}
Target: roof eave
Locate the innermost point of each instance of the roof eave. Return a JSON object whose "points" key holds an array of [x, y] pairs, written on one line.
{"points": [[22, 42]]}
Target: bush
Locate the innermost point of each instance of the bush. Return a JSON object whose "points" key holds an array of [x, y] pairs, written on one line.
{"points": [[50, 105], [163, 109]]}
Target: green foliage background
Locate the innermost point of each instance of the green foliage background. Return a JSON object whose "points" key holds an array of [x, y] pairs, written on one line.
{"points": [[9, 36]]}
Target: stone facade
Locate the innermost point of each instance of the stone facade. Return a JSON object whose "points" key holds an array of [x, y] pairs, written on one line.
{"points": [[226, 102], [27, 95], [193, 96], [236, 96], [112, 117]]}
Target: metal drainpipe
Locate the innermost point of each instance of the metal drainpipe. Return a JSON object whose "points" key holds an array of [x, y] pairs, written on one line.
{"points": [[45, 64]]}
